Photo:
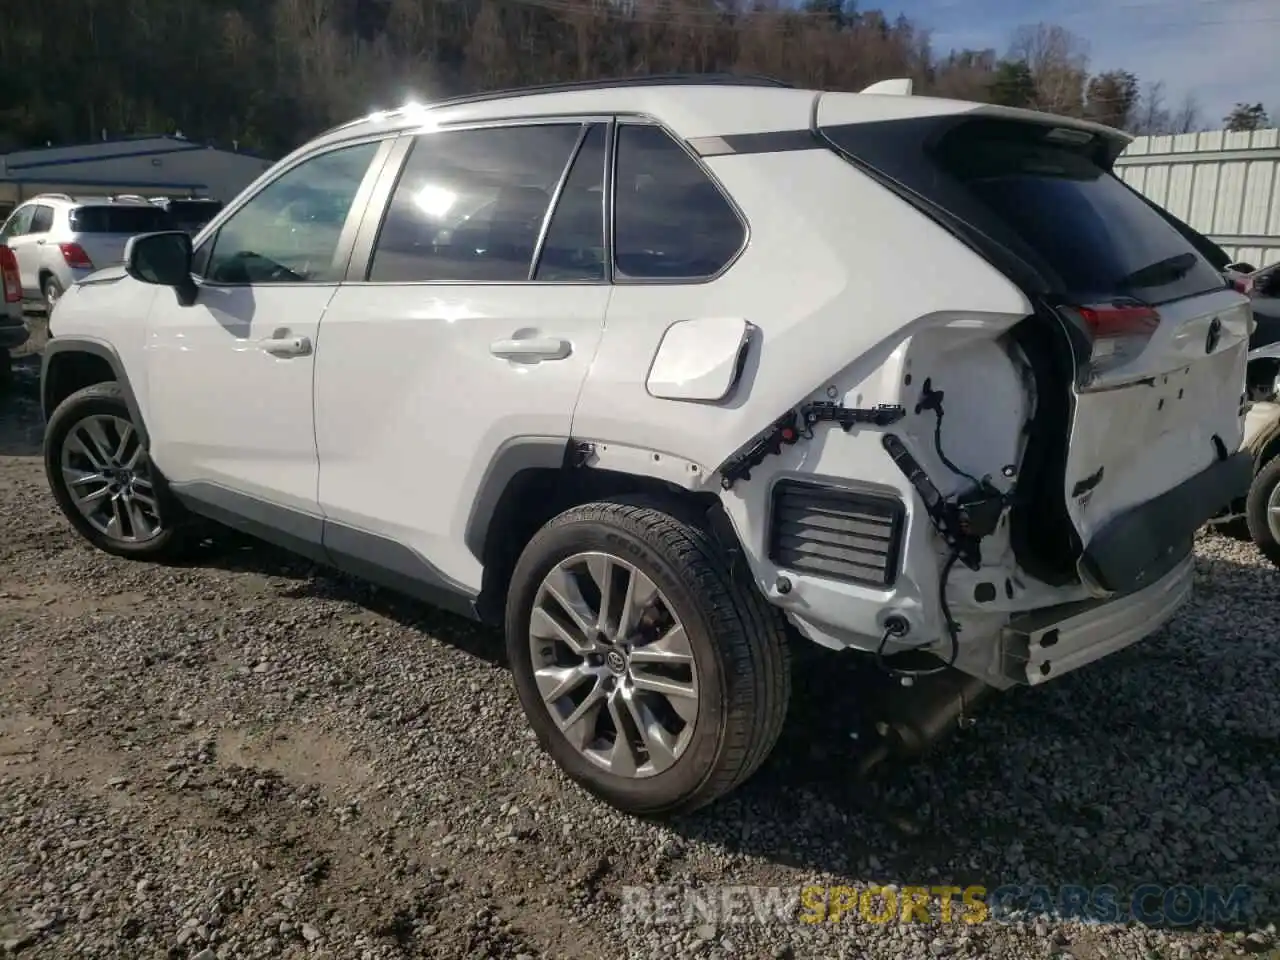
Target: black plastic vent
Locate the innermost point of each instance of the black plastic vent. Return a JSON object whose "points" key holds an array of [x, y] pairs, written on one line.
{"points": [[856, 537]]}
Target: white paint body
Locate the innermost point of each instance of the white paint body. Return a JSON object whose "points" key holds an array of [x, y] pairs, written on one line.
{"points": [[391, 424]]}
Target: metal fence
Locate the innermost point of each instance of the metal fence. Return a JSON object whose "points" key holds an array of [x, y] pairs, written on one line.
{"points": [[1226, 185]]}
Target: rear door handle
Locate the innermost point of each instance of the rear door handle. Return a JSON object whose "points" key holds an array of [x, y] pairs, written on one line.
{"points": [[283, 345], [532, 349]]}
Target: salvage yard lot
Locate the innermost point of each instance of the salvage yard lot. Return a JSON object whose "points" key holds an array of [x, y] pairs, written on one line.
{"points": [[249, 756]]}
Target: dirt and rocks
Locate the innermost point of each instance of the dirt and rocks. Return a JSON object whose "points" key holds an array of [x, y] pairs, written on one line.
{"points": [[251, 757]]}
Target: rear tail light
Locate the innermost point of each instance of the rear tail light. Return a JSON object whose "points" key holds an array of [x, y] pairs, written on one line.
{"points": [[10, 278], [1118, 331], [75, 256], [1243, 284]]}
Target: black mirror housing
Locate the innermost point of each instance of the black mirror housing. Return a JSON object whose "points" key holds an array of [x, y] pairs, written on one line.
{"points": [[163, 259]]}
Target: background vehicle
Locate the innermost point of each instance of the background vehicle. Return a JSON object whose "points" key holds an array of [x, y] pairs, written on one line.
{"points": [[189, 213], [1256, 516], [59, 239], [614, 365], [13, 331]]}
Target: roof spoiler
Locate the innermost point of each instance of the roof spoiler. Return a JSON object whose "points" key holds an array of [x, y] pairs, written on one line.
{"points": [[900, 87]]}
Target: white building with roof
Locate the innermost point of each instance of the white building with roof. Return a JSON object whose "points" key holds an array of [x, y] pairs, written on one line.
{"points": [[149, 166]]}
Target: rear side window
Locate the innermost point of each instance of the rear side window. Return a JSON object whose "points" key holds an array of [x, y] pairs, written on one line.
{"points": [[671, 222], [1048, 195], [42, 219], [120, 219], [470, 205]]}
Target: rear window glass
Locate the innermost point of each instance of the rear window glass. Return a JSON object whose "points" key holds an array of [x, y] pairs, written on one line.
{"points": [[119, 219], [193, 211], [1057, 206]]}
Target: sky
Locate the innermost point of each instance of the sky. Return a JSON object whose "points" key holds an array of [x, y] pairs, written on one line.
{"points": [[1223, 51]]}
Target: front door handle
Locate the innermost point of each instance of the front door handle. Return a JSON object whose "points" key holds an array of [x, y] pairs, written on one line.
{"points": [[280, 344], [532, 349]]}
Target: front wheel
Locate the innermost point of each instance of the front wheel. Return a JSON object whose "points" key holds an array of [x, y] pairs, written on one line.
{"points": [[102, 479], [1263, 510], [654, 675]]}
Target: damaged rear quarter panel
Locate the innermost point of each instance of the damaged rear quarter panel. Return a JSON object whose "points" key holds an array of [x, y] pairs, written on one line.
{"points": [[837, 275]]}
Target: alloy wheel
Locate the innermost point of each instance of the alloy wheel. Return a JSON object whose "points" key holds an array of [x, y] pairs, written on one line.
{"points": [[107, 475], [1273, 512], [614, 665]]}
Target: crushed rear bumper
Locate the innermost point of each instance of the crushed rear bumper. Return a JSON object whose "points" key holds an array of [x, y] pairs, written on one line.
{"points": [[1045, 644]]}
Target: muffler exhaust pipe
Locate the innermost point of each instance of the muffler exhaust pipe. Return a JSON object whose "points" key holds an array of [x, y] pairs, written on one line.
{"points": [[913, 718]]}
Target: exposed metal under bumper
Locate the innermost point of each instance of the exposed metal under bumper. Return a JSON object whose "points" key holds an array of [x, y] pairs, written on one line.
{"points": [[1045, 644]]}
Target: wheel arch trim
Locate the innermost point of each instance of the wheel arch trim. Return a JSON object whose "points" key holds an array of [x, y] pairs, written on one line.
{"points": [[103, 351]]}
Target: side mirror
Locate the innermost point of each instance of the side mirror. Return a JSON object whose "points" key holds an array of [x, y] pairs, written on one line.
{"points": [[1241, 267], [163, 259]]}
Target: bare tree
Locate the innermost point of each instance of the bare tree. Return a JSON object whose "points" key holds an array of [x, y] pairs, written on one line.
{"points": [[1187, 117], [1151, 118], [1059, 63]]}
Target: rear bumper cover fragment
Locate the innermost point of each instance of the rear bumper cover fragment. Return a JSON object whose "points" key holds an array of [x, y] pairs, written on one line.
{"points": [[1140, 546]]}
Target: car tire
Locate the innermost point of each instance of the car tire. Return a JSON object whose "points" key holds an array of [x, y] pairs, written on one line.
{"points": [[50, 291], [6, 371], [738, 660], [1263, 510], [84, 420]]}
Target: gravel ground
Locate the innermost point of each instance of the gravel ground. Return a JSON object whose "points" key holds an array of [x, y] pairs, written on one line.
{"points": [[250, 757]]}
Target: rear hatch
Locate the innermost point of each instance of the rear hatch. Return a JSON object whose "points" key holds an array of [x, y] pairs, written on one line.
{"points": [[1156, 337], [101, 230]]}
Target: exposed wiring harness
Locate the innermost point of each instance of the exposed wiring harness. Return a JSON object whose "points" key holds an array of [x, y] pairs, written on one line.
{"points": [[931, 399], [953, 632]]}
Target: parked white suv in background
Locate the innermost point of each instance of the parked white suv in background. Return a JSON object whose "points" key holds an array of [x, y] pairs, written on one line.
{"points": [[630, 369], [59, 239]]}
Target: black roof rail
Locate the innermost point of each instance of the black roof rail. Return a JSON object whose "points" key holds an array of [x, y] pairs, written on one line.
{"points": [[604, 83]]}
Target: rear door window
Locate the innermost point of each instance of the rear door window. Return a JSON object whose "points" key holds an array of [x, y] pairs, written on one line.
{"points": [[671, 221], [123, 219], [42, 219], [574, 246], [470, 204]]}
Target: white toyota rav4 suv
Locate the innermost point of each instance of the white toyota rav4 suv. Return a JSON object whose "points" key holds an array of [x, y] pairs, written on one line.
{"points": [[663, 374]]}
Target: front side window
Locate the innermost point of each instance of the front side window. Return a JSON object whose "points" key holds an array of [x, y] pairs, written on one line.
{"points": [[671, 222], [18, 224], [289, 231], [41, 219], [470, 205]]}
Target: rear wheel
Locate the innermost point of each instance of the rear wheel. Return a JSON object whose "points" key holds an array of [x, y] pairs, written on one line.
{"points": [[6, 371], [1263, 510], [51, 289], [102, 479], [655, 676]]}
